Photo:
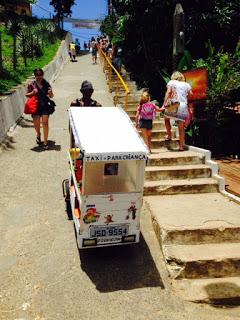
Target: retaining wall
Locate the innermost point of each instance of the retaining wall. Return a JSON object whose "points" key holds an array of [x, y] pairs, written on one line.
{"points": [[12, 105]]}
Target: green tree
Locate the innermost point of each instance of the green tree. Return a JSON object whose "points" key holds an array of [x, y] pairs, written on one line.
{"points": [[14, 27], [62, 9], [147, 33]]}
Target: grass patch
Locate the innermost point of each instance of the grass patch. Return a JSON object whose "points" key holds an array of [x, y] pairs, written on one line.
{"points": [[10, 77]]}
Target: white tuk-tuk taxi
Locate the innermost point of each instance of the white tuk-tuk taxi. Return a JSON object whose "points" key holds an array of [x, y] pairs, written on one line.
{"points": [[104, 191]]}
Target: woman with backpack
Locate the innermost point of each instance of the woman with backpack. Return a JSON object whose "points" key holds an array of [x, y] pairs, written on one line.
{"points": [[146, 113]]}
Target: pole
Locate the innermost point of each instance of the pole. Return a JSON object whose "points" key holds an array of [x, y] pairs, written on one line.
{"points": [[178, 34], [110, 7]]}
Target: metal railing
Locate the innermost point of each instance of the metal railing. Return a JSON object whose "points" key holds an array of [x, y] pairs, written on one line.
{"points": [[114, 79]]}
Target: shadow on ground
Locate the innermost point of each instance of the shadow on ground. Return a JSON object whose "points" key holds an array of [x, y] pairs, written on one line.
{"points": [[7, 144], [223, 290], [52, 147], [121, 267]]}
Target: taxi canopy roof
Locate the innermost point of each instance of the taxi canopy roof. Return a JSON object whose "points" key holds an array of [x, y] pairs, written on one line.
{"points": [[105, 134]]}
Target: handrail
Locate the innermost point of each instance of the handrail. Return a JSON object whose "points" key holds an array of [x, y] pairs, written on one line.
{"points": [[108, 68]]}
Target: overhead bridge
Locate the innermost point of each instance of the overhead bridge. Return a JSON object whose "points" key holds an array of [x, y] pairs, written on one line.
{"points": [[83, 23]]}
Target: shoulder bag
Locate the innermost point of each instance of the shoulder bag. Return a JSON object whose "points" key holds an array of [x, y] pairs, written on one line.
{"points": [[32, 103], [51, 106], [172, 103]]}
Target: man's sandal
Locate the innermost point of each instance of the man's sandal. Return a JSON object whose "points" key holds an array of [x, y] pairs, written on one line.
{"points": [[38, 140], [45, 146]]}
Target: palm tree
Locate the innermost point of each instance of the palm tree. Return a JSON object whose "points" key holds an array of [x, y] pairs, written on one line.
{"points": [[14, 27]]}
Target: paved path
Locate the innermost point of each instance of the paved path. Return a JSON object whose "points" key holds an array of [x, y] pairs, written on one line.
{"points": [[42, 274]]}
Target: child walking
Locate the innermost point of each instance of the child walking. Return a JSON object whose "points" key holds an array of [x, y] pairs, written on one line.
{"points": [[146, 113]]}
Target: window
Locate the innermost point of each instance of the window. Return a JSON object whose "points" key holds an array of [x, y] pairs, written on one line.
{"points": [[110, 177], [111, 169]]}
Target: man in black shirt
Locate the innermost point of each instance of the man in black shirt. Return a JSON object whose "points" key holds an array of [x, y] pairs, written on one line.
{"points": [[86, 100]]}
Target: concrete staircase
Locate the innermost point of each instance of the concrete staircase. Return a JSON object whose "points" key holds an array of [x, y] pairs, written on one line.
{"points": [[199, 235], [198, 229], [168, 171]]}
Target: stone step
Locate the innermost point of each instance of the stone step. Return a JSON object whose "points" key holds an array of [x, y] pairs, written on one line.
{"points": [[216, 291], [159, 133], [164, 187], [121, 90], [132, 96], [132, 105], [199, 219], [175, 158], [203, 260], [125, 76], [117, 83], [194, 171], [132, 101], [114, 77], [159, 143]]}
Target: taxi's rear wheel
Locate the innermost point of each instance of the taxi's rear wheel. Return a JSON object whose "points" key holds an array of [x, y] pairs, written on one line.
{"points": [[66, 193], [69, 210]]}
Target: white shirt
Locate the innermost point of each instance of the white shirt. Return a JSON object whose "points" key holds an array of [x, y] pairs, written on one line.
{"points": [[182, 88]]}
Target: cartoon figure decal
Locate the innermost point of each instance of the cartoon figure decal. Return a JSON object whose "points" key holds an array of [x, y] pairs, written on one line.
{"points": [[108, 219], [132, 210], [111, 198], [91, 215]]}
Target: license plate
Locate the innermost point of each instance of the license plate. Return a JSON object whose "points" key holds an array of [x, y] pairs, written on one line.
{"points": [[108, 231]]}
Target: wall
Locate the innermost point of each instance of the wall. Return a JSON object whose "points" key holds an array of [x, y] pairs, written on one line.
{"points": [[12, 105]]}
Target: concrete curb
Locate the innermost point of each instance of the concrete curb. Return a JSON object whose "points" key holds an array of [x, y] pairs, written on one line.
{"points": [[215, 172], [12, 105]]}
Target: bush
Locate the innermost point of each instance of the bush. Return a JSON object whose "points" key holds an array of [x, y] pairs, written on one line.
{"points": [[223, 91]]}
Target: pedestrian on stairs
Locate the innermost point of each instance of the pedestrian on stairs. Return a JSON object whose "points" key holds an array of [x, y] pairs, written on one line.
{"points": [[180, 89], [146, 113]]}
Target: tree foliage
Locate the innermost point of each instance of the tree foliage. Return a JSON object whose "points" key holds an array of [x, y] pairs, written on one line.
{"points": [[62, 8], [145, 28]]}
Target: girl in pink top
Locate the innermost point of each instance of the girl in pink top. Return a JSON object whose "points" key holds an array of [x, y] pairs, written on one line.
{"points": [[146, 113]]}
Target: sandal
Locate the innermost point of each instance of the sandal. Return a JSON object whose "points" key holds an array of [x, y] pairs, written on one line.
{"points": [[45, 147], [181, 150], [38, 140], [167, 138]]}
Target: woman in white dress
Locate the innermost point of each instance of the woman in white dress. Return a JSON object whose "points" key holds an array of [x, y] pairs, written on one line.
{"points": [[178, 88]]}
